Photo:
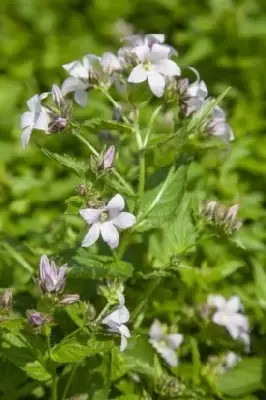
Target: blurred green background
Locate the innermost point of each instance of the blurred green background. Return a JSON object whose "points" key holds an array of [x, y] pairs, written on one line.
{"points": [[225, 40]]}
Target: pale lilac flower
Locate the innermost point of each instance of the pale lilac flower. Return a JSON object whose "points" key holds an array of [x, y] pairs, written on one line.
{"points": [[219, 127], [35, 318], [228, 314], [81, 72], [36, 118], [51, 278], [153, 66], [149, 39], [165, 344], [116, 322], [191, 95], [106, 220], [230, 361], [110, 63]]}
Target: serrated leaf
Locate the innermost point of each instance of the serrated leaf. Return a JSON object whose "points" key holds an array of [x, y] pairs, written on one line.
{"points": [[77, 166], [77, 348], [245, 378], [36, 370], [101, 124], [159, 204], [95, 267]]}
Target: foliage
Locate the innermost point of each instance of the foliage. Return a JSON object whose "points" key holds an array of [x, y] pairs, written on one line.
{"points": [[173, 258]]}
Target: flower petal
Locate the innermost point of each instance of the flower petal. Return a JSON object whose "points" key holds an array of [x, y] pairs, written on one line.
{"points": [[115, 205], [91, 215], [156, 83], [124, 315], [25, 137], [26, 119], [174, 340], [76, 69], [42, 121], [61, 278], [159, 52], [44, 268], [92, 235], [34, 102], [72, 84], [233, 330], [110, 234], [168, 354], [142, 52], [81, 97], [167, 67], [138, 74], [233, 304], [156, 332], [123, 329], [124, 220], [217, 301], [123, 344]]}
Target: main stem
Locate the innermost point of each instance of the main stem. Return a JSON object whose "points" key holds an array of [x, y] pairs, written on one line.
{"points": [[54, 387], [70, 379], [141, 176]]}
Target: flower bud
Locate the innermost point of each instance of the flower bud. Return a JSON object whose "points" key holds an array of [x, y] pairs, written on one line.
{"points": [[36, 318], [51, 278], [221, 217], [6, 299], [108, 157], [91, 312], [70, 299]]}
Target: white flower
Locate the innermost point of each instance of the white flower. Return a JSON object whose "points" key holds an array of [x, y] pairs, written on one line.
{"points": [[36, 118], [106, 220], [116, 322], [154, 66], [165, 344], [219, 127], [230, 361], [110, 63], [228, 314], [79, 81]]}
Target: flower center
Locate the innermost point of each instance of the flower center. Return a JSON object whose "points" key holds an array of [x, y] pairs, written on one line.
{"points": [[104, 216], [147, 65]]}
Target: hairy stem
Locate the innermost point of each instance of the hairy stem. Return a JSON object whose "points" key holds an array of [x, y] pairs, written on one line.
{"points": [[142, 172], [70, 379]]}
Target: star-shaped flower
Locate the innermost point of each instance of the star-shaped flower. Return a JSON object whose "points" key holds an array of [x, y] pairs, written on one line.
{"points": [[165, 344], [219, 127], [154, 66], [106, 220], [228, 314], [116, 322], [79, 81], [36, 118]]}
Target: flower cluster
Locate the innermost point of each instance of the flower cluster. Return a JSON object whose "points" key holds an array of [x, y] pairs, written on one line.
{"points": [[141, 58], [223, 218]]}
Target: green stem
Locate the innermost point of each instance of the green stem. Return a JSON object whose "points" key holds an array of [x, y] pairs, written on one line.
{"points": [[141, 175], [115, 103], [70, 379], [153, 117], [113, 170], [104, 311], [54, 388]]}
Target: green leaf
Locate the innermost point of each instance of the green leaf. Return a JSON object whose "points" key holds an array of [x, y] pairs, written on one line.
{"points": [[37, 371], [77, 166], [86, 265], [245, 378], [101, 124], [260, 282], [77, 348], [159, 204]]}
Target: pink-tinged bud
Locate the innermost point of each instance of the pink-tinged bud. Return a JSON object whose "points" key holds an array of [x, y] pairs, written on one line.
{"points": [[35, 318], [108, 157], [51, 278], [70, 299], [6, 299]]}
